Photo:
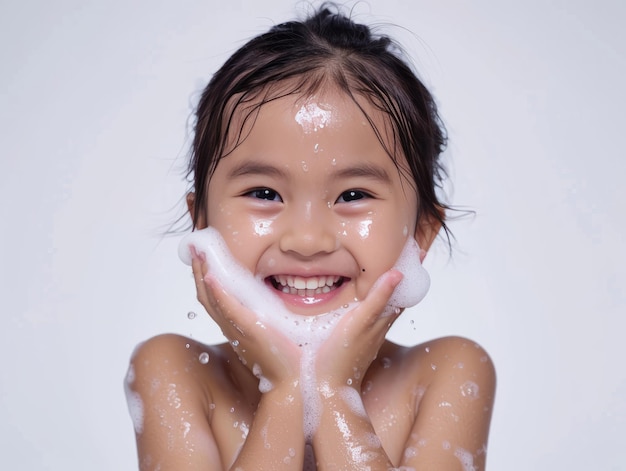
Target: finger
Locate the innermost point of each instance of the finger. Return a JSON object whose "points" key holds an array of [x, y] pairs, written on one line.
{"points": [[375, 303], [230, 308], [198, 266]]}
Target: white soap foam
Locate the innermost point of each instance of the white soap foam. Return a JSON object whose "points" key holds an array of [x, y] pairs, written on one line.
{"points": [[253, 293], [133, 400], [311, 117], [265, 385], [466, 459], [307, 331], [353, 400], [416, 282], [470, 390]]}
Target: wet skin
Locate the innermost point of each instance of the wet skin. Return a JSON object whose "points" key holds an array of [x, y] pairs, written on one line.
{"points": [[309, 196]]}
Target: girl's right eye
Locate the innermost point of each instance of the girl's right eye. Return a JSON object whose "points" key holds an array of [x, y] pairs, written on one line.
{"points": [[264, 194]]}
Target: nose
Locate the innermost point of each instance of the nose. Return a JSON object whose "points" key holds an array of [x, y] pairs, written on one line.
{"points": [[309, 231]]}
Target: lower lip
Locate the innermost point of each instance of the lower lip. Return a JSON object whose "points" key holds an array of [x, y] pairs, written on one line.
{"points": [[303, 302]]}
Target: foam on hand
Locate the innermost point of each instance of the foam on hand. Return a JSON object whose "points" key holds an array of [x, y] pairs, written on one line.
{"points": [[310, 332], [252, 291]]}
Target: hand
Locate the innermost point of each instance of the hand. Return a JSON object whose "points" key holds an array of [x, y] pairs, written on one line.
{"points": [[343, 359], [256, 343]]}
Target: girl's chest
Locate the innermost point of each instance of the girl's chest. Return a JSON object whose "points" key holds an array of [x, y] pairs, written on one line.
{"points": [[389, 405]]}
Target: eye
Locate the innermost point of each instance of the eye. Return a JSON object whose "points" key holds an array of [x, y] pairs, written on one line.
{"points": [[352, 195], [264, 194]]}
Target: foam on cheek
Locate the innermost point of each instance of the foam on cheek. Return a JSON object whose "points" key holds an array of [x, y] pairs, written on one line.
{"points": [[253, 293], [309, 332], [416, 281], [262, 227]]}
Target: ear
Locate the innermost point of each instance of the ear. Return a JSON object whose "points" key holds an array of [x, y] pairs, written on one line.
{"points": [[427, 229], [200, 221]]}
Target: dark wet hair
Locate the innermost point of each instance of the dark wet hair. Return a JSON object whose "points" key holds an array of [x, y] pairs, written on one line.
{"points": [[299, 58]]}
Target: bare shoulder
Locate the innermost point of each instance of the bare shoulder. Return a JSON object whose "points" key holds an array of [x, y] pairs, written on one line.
{"points": [[172, 357], [454, 413], [454, 355], [433, 361], [169, 387]]}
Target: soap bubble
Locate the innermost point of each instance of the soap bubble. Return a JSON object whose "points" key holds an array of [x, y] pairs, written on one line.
{"points": [[191, 315], [204, 358]]}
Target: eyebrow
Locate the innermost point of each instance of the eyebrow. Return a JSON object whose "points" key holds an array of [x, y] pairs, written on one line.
{"points": [[364, 170], [256, 168]]}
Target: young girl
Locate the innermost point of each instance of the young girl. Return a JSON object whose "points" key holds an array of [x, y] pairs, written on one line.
{"points": [[315, 158]]}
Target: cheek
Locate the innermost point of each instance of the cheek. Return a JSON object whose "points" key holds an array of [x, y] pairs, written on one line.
{"points": [[381, 229], [244, 235], [376, 242]]}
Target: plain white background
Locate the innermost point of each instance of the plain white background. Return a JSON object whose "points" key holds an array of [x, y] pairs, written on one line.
{"points": [[94, 103]]}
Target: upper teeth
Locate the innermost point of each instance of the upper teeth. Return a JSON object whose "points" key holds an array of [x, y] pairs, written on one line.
{"points": [[313, 282]]}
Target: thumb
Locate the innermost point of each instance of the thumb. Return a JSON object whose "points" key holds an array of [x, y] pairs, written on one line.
{"points": [[376, 301]]}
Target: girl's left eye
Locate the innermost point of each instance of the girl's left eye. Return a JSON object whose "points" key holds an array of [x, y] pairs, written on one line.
{"points": [[264, 194], [351, 195]]}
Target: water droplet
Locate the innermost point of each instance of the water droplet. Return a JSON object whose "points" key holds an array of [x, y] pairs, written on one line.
{"points": [[316, 148], [333, 162], [235, 343], [469, 389], [204, 358], [187, 345], [191, 315], [386, 362], [305, 167], [349, 382]]}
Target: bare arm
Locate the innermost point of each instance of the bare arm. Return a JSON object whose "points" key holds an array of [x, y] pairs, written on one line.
{"points": [[451, 419], [451, 428]]}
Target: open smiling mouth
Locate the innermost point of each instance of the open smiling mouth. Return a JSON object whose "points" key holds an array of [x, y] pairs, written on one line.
{"points": [[309, 286]]}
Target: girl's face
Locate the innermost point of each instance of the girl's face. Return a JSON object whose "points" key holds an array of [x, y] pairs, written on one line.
{"points": [[311, 203]]}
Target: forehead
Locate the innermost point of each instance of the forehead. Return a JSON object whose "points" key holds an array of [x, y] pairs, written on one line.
{"points": [[312, 110], [329, 130]]}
